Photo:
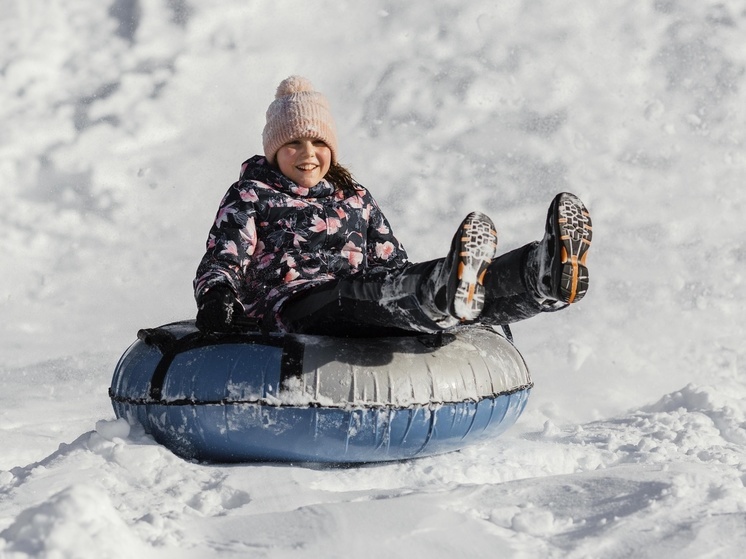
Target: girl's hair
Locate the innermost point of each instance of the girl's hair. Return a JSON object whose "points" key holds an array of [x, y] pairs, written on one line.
{"points": [[340, 177]]}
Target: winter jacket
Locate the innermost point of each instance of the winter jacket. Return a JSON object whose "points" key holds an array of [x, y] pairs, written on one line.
{"points": [[272, 239]]}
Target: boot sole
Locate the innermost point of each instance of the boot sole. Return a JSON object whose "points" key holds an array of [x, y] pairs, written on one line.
{"points": [[476, 249], [574, 230]]}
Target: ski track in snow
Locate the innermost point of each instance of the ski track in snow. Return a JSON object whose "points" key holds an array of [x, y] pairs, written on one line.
{"points": [[125, 121]]}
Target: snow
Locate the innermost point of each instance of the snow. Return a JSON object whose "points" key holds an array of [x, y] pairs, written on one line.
{"points": [[123, 123]]}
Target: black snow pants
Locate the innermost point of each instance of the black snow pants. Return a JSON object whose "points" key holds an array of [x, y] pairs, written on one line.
{"points": [[386, 303]]}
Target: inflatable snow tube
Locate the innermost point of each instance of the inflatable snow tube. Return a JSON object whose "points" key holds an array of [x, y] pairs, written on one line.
{"points": [[300, 398]]}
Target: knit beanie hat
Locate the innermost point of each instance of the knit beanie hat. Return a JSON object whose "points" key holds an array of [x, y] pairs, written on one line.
{"points": [[298, 112]]}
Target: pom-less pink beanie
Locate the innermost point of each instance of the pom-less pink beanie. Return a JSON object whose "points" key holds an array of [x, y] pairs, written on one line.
{"points": [[298, 112]]}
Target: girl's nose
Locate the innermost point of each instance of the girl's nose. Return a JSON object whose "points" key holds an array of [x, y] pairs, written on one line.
{"points": [[307, 148]]}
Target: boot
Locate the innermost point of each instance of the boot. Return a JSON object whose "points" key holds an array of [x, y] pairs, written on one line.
{"points": [[556, 267], [454, 292]]}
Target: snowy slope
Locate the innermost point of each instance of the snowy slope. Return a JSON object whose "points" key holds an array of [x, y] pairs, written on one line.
{"points": [[123, 123]]}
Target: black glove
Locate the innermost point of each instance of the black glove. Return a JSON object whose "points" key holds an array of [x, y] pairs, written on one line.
{"points": [[218, 310]]}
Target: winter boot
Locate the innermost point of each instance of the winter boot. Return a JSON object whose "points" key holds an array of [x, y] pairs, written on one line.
{"points": [[456, 286], [556, 268]]}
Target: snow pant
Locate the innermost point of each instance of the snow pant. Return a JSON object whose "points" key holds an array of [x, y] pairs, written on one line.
{"points": [[386, 303]]}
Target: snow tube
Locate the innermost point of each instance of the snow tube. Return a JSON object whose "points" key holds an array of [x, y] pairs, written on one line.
{"points": [[300, 398]]}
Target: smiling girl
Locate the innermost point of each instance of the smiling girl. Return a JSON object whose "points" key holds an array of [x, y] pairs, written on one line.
{"points": [[298, 245]]}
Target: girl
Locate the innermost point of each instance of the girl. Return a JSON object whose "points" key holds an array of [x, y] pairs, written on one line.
{"points": [[299, 246]]}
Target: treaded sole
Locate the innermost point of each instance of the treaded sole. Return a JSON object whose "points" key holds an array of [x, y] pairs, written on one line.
{"points": [[574, 231], [476, 249]]}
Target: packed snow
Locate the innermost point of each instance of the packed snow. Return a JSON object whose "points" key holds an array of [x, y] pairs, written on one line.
{"points": [[124, 122]]}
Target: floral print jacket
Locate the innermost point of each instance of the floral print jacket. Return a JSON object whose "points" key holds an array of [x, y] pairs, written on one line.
{"points": [[272, 239]]}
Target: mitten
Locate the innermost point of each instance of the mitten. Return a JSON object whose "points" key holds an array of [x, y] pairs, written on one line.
{"points": [[217, 310]]}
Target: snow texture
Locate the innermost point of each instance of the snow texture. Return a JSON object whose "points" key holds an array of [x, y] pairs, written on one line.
{"points": [[124, 122]]}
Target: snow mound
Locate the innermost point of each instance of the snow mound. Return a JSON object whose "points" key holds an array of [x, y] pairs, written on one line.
{"points": [[79, 521]]}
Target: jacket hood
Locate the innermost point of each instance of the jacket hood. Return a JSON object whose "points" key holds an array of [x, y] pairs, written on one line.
{"points": [[257, 168]]}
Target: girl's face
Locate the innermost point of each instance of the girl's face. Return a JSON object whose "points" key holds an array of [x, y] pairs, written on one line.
{"points": [[305, 161]]}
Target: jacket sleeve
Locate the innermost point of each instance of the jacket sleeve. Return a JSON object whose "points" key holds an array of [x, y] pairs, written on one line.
{"points": [[231, 242], [383, 248]]}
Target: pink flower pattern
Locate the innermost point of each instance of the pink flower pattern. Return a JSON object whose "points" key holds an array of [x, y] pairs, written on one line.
{"points": [[385, 250]]}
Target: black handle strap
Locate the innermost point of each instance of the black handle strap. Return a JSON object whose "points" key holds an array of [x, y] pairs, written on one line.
{"points": [[508, 333], [170, 346]]}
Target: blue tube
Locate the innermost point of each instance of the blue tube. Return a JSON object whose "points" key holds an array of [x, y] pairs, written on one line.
{"points": [[304, 399]]}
